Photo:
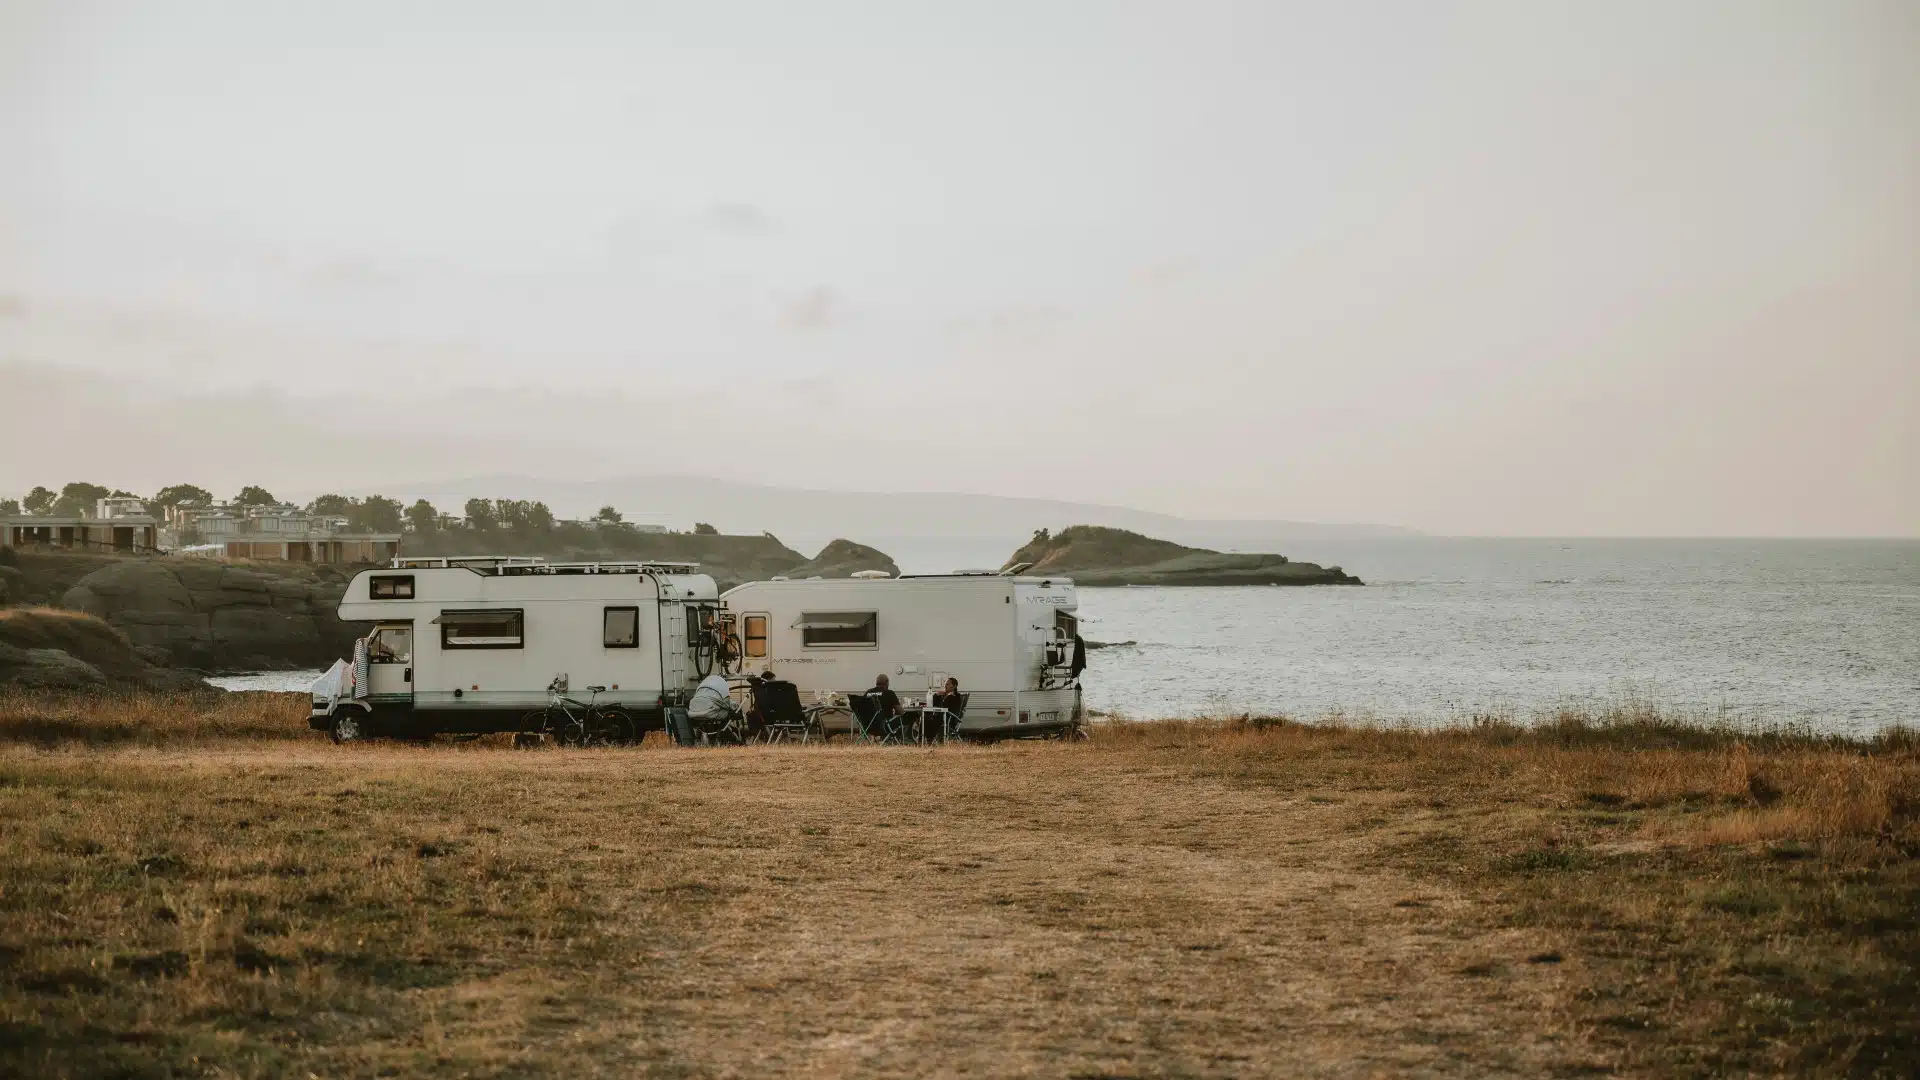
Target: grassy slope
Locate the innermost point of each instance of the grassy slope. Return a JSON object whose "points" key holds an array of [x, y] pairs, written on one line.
{"points": [[83, 637], [234, 897], [78, 635]]}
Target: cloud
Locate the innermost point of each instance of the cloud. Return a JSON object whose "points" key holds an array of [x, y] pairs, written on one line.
{"points": [[738, 217], [352, 274], [816, 310], [1160, 273], [1021, 323]]}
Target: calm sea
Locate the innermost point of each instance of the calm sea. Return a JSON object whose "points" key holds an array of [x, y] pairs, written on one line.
{"points": [[1818, 631], [1826, 632]]}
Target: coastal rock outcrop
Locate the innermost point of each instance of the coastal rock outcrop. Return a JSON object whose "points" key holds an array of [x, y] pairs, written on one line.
{"points": [[844, 558], [1097, 555], [186, 613]]}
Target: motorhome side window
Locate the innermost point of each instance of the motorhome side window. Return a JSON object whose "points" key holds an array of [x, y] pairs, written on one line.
{"points": [[620, 628], [1067, 624], [839, 629], [495, 629], [754, 636], [391, 587]]}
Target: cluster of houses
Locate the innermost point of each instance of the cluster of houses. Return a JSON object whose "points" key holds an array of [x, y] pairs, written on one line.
{"points": [[281, 533]]}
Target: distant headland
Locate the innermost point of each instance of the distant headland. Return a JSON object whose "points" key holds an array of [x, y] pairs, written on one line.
{"points": [[1097, 555]]}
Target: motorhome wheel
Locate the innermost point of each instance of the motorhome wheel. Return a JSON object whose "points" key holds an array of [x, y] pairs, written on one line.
{"points": [[347, 726]]}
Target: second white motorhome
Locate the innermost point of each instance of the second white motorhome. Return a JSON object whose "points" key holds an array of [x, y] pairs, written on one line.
{"points": [[1008, 640], [471, 645]]}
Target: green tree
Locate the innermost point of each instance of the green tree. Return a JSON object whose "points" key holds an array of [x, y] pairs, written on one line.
{"points": [[78, 498], [255, 496], [376, 513], [539, 518], [40, 501], [701, 528], [9, 507], [331, 506], [423, 517], [511, 512], [177, 495], [481, 516], [609, 515]]}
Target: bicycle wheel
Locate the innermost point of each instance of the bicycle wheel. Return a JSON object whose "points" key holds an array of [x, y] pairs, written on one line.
{"points": [[567, 727], [612, 727]]}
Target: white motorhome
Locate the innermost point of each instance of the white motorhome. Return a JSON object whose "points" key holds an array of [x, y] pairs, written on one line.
{"points": [[471, 645], [1008, 640]]}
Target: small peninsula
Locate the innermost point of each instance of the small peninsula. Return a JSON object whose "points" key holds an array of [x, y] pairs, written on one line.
{"points": [[1096, 555]]}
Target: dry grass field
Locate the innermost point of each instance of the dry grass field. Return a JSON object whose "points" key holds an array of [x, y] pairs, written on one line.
{"points": [[197, 886]]}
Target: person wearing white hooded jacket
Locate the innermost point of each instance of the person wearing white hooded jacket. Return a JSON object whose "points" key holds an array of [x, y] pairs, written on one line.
{"points": [[710, 702]]}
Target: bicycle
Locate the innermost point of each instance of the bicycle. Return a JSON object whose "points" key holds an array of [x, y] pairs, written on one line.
{"points": [[715, 646], [572, 722]]}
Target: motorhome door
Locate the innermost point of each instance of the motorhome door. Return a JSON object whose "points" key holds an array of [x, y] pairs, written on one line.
{"points": [[390, 663]]}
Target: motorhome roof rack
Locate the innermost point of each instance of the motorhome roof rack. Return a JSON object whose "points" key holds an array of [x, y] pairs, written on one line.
{"points": [[515, 565], [477, 562]]}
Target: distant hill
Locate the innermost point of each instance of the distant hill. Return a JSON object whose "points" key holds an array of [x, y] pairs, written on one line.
{"points": [[800, 514], [730, 559], [1097, 555], [844, 558]]}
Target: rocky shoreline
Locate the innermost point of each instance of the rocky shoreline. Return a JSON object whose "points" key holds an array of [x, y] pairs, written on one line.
{"points": [[1093, 555]]}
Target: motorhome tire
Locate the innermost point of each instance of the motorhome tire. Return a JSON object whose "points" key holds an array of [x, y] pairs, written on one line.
{"points": [[347, 725], [526, 740]]}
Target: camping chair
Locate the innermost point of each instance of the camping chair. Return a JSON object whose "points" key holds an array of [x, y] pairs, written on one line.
{"points": [[778, 702], [955, 714], [716, 730], [868, 724]]}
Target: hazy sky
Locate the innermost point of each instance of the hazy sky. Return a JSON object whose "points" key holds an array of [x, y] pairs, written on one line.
{"points": [[1480, 268]]}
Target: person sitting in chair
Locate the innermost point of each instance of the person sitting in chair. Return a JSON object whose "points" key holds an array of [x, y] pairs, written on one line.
{"points": [[765, 686], [949, 697], [955, 703], [710, 706], [888, 700]]}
